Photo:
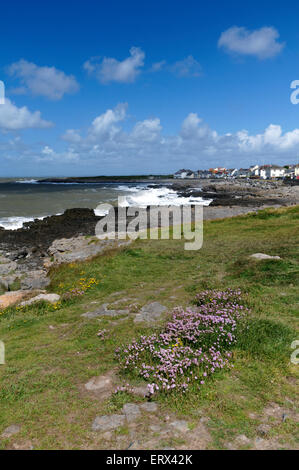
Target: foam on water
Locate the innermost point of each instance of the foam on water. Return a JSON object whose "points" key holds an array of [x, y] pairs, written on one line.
{"points": [[161, 197], [132, 196], [14, 223]]}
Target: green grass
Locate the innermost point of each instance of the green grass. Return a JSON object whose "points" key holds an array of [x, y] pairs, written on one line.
{"points": [[41, 382]]}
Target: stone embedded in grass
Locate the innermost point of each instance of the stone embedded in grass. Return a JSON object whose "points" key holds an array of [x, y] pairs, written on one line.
{"points": [[104, 311], [150, 313], [108, 422], [150, 407], [51, 298], [10, 431], [261, 256], [180, 426], [35, 280], [102, 383], [131, 411], [11, 298]]}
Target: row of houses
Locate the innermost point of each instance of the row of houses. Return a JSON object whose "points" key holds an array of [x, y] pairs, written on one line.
{"points": [[256, 171]]}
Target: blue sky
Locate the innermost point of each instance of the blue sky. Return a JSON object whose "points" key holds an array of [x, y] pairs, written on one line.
{"points": [[146, 87]]}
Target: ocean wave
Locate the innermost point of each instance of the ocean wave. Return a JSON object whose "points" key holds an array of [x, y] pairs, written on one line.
{"points": [[16, 222], [161, 197], [31, 181]]}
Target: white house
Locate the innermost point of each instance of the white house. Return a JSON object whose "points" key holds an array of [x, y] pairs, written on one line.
{"points": [[272, 171], [184, 174], [255, 170], [243, 173]]}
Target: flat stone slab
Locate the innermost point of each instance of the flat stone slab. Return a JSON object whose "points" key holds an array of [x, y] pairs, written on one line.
{"points": [[99, 383], [131, 411], [149, 407], [262, 256], [150, 313], [103, 311], [108, 422], [102, 386], [180, 425], [51, 298], [69, 250], [10, 431]]}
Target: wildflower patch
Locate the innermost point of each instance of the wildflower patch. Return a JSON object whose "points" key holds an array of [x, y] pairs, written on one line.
{"points": [[195, 343]]}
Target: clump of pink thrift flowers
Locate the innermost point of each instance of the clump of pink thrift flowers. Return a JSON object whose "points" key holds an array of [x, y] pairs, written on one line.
{"points": [[195, 343]]}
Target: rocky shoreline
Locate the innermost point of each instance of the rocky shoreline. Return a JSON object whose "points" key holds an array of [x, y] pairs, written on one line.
{"points": [[26, 254]]}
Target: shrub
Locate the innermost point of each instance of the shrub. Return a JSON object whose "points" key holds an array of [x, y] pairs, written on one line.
{"points": [[195, 343]]}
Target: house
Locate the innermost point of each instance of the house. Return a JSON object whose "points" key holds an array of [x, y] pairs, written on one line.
{"points": [[184, 174], [243, 173], [289, 171], [272, 171], [296, 172], [255, 170], [232, 173], [204, 174]]}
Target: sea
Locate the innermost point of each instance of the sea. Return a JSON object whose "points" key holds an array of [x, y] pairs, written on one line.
{"points": [[25, 199]]}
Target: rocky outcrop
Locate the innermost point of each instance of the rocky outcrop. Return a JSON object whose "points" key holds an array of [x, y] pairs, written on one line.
{"points": [[51, 298], [69, 250], [11, 298], [150, 313]]}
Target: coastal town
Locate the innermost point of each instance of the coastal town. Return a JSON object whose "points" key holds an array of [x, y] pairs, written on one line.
{"points": [[263, 172]]}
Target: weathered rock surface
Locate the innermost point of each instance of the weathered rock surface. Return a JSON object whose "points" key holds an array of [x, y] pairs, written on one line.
{"points": [[11, 298], [180, 426], [68, 250], [131, 411], [149, 407], [108, 422], [150, 313], [103, 310], [35, 280], [51, 298], [10, 431], [101, 386], [7, 266]]}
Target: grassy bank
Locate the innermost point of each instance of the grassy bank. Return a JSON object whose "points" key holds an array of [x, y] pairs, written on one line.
{"points": [[51, 352]]}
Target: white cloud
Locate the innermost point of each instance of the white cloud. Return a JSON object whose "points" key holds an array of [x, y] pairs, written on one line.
{"points": [[188, 67], [104, 126], [72, 136], [147, 131], [109, 147], [157, 66], [14, 118], [262, 43], [196, 144], [113, 70], [42, 81]]}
